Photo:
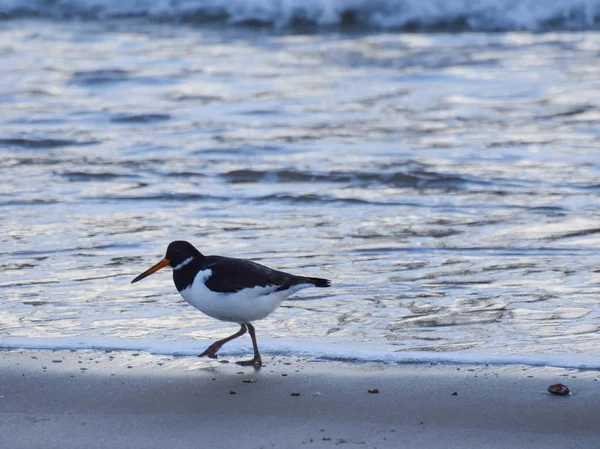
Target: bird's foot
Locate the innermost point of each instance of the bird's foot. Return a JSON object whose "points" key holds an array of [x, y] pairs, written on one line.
{"points": [[256, 362], [211, 351]]}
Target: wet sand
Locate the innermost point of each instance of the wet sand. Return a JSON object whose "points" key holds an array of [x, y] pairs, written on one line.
{"points": [[93, 399]]}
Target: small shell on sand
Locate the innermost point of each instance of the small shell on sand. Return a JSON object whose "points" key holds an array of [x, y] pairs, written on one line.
{"points": [[559, 389]]}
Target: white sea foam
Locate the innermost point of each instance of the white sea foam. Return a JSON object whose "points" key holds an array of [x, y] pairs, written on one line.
{"points": [[306, 349], [379, 14]]}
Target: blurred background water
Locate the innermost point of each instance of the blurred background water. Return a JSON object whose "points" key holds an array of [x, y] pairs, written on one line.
{"points": [[440, 163]]}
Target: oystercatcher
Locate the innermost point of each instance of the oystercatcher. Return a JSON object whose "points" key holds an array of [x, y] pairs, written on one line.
{"points": [[228, 289]]}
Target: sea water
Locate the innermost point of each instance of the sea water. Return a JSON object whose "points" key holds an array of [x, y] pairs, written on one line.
{"points": [[438, 161]]}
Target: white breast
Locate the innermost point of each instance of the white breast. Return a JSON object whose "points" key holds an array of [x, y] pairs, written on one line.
{"points": [[245, 306]]}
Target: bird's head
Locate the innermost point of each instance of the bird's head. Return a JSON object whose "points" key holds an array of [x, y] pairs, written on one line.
{"points": [[179, 253]]}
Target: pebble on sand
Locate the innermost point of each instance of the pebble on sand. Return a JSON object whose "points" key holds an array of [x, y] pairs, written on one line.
{"points": [[559, 389]]}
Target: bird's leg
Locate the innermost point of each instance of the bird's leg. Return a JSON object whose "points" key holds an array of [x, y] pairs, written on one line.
{"points": [[256, 361], [212, 350]]}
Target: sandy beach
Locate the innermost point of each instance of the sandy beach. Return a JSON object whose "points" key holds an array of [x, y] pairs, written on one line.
{"points": [[75, 399]]}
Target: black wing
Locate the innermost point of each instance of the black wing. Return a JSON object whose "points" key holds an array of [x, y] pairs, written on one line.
{"points": [[231, 275]]}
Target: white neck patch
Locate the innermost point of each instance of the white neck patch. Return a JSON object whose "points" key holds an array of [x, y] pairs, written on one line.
{"points": [[184, 263]]}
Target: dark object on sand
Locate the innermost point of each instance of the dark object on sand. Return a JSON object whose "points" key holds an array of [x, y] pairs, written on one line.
{"points": [[374, 390], [559, 389]]}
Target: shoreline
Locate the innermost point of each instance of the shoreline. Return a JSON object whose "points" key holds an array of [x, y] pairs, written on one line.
{"points": [[83, 398], [303, 350]]}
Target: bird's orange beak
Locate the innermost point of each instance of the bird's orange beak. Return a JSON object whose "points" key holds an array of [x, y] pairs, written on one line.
{"points": [[163, 263]]}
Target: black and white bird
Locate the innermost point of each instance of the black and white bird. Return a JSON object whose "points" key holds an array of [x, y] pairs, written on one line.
{"points": [[236, 290]]}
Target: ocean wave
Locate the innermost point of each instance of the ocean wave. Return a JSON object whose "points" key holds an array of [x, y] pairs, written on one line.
{"points": [[41, 143], [413, 179], [413, 15]]}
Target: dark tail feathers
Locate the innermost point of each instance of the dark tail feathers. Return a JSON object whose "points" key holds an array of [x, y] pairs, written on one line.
{"points": [[318, 282]]}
